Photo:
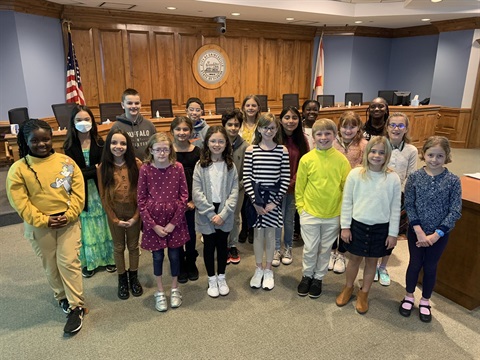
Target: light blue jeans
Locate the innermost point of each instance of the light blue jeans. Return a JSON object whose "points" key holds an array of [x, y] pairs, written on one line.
{"points": [[288, 211]]}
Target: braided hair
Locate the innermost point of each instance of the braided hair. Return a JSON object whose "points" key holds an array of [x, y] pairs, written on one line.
{"points": [[24, 133]]}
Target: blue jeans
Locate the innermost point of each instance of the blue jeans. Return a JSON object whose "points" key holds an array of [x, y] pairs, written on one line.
{"points": [[288, 211], [173, 256]]}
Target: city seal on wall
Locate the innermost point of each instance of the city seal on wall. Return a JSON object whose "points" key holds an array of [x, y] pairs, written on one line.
{"points": [[211, 66]]}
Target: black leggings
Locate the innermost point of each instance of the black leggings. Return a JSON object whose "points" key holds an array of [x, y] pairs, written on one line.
{"points": [[217, 240]]}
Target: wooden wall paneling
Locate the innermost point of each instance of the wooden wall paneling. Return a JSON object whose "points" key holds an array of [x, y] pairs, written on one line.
{"points": [[272, 75], [83, 40], [233, 48], [455, 125], [113, 64], [248, 65], [139, 69], [165, 70], [189, 43]]}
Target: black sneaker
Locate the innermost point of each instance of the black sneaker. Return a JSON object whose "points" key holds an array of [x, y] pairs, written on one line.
{"points": [[111, 268], [64, 305], [304, 286], [87, 273], [183, 277], [234, 255], [315, 289], [74, 321]]}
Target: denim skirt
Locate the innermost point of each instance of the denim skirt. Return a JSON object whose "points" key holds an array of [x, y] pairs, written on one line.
{"points": [[368, 240]]}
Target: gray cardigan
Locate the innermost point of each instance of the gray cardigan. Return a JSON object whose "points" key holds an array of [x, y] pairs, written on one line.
{"points": [[202, 198]]}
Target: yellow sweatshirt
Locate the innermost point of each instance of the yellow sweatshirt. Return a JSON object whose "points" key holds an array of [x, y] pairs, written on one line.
{"points": [[321, 176], [56, 186]]}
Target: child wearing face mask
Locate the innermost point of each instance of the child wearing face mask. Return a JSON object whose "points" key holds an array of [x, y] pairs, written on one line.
{"points": [[84, 145]]}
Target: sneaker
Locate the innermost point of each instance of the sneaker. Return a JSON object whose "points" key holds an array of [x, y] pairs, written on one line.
{"points": [[315, 289], [287, 256], [223, 288], [331, 263], [175, 298], [160, 301], [234, 255], [304, 286], [74, 320], [376, 275], [256, 281], [229, 256], [87, 273], [111, 268], [268, 282], [64, 305], [277, 256], [212, 290], [339, 267], [384, 277]]}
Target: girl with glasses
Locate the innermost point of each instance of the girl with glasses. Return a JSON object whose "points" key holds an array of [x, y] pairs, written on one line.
{"points": [[162, 201]]}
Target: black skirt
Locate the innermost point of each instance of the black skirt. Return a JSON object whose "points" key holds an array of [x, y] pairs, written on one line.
{"points": [[368, 240]]}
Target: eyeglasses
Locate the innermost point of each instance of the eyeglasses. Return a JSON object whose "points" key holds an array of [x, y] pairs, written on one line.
{"points": [[399, 126], [161, 150], [267, 129], [219, 142]]}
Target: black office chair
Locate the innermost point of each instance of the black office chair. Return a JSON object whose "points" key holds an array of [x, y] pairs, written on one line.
{"points": [[224, 104], [110, 111], [18, 115], [63, 113], [326, 100], [263, 102], [388, 95], [290, 100], [355, 97], [163, 106]]}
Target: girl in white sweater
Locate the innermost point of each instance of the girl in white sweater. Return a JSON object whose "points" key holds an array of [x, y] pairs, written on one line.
{"points": [[370, 217]]}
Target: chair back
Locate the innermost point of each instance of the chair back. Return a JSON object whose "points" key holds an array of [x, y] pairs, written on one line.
{"points": [[263, 102], [110, 111], [224, 104], [18, 115], [355, 97], [163, 106], [290, 100], [63, 113], [326, 100]]}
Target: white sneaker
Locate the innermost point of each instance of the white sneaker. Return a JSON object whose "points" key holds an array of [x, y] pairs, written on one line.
{"points": [[268, 282], [287, 256], [256, 281], [339, 267], [384, 277], [223, 288], [331, 263], [277, 255], [160, 301], [212, 290], [175, 298]]}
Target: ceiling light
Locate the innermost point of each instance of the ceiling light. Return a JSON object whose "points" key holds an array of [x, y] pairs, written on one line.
{"points": [[235, 14], [289, 19], [171, 8], [358, 22], [435, 1], [425, 19]]}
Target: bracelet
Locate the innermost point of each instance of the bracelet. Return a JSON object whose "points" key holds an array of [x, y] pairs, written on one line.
{"points": [[440, 233]]}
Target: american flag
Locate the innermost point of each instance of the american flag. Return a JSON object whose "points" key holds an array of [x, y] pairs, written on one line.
{"points": [[74, 83]]}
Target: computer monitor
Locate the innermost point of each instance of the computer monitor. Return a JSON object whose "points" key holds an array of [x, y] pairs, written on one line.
{"points": [[401, 98], [387, 95]]}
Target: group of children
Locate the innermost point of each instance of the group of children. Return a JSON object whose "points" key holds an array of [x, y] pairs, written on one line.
{"points": [[251, 174]]}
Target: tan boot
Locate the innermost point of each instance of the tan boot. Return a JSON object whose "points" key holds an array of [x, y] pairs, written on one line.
{"points": [[362, 302], [344, 297]]}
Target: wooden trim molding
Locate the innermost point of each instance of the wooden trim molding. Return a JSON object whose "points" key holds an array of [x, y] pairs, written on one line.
{"points": [[457, 24], [34, 7]]}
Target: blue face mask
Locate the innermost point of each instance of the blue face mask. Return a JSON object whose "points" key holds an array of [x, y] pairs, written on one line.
{"points": [[83, 126]]}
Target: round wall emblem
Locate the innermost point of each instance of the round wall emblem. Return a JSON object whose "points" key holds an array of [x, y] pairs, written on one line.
{"points": [[210, 66]]}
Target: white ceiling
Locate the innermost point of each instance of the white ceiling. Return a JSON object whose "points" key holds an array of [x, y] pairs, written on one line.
{"points": [[376, 13]]}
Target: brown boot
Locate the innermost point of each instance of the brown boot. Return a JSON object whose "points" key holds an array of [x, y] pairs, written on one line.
{"points": [[362, 302], [344, 297]]}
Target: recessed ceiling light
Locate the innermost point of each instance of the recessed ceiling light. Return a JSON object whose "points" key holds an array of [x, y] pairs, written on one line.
{"points": [[425, 19], [435, 1], [235, 14], [358, 22], [289, 19], [171, 8]]}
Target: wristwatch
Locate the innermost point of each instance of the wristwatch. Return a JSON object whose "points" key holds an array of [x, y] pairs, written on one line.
{"points": [[440, 233]]}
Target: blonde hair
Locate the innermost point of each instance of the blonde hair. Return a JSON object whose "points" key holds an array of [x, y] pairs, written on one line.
{"points": [[406, 136], [156, 138], [443, 142], [351, 118], [263, 121], [323, 125], [375, 140]]}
